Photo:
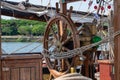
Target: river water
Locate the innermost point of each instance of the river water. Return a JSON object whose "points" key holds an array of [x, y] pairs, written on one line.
{"points": [[21, 47], [29, 47]]}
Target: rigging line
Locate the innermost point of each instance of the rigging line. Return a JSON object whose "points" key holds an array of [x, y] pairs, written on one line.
{"points": [[110, 44], [79, 7], [41, 1], [45, 16], [84, 16], [107, 2], [24, 46], [111, 53], [48, 5], [52, 11], [35, 48], [90, 4], [13, 12]]}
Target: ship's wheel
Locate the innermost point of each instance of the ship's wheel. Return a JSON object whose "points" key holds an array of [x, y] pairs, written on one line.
{"points": [[60, 36]]}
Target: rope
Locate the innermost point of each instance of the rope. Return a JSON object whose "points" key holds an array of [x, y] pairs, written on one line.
{"points": [[48, 5], [90, 4], [77, 51], [84, 16], [79, 7]]}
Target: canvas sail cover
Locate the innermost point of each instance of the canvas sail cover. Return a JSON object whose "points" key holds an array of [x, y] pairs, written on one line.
{"points": [[25, 7]]}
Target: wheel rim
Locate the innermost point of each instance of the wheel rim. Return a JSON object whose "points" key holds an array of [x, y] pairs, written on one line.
{"points": [[56, 38]]}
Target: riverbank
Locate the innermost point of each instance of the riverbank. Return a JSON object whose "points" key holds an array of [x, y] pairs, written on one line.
{"points": [[21, 38]]}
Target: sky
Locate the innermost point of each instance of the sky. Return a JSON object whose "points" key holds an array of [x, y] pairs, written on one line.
{"points": [[78, 6]]}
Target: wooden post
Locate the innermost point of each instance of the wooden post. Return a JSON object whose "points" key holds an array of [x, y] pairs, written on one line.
{"points": [[117, 39], [0, 49], [63, 9]]}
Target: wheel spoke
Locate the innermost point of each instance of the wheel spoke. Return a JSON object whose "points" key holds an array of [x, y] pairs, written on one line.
{"points": [[57, 25], [64, 36], [54, 34], [66, 40], [52, 43]]}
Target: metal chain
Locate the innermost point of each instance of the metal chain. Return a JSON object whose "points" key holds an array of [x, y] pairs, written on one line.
{"points": [[76, 51]]}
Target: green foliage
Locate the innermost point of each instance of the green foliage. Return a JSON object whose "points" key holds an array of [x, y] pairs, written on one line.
{"points": [[24, 30], [38, 30], [6, 30], [23, 27]]}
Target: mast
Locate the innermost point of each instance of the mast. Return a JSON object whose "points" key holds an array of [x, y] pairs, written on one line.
{"points": [[117, 39]]}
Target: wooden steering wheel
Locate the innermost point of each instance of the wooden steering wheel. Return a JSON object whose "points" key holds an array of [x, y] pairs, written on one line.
{"points": [[60, 36]]}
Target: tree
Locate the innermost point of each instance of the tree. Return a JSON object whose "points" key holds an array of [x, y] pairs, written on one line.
{"points": [[23, 27], [24, 30], [38, 30], [9, 27], [6, 30]]}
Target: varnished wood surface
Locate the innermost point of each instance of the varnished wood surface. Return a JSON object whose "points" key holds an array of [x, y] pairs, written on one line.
{"points": [[117, 39], [22, 67], [0, 70]]}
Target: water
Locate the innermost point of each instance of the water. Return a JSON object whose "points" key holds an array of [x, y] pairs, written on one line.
{"points": [[28, 47], [21, 47]]}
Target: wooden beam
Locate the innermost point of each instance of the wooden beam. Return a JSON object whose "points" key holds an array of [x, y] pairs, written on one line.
{"points": [[22, 15], [117, 39]]}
